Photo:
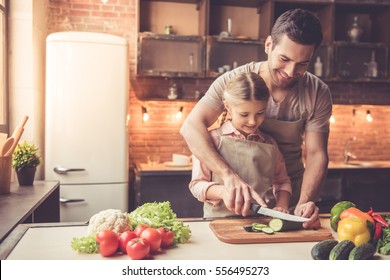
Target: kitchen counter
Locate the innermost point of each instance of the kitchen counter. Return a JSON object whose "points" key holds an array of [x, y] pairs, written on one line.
{"points": [[359, 165], [52, 241], [162, 167], [29, 204]]}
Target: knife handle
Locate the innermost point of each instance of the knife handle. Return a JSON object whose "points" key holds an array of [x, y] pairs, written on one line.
{"points": [[255, 207]]}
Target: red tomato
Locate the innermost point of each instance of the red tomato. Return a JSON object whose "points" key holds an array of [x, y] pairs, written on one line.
{"points": [[124, 238], [137, 248], [167, 236], [139, 229], [108, 242], [153, 237]]}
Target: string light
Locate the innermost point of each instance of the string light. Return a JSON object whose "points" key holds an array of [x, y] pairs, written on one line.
{"points": [[369, 117], [179, 114], [145, 115], [332, 119]]}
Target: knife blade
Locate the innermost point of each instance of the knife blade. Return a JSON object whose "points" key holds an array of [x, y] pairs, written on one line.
{"points": [[276, 214]]}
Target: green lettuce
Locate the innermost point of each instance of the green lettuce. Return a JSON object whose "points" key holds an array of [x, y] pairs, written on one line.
{"points": [[160, 214], [383, 245]]}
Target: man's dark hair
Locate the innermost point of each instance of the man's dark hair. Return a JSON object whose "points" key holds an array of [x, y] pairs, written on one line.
{"points": [[300, 26]]}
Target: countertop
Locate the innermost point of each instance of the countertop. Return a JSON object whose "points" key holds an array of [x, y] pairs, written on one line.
{"points": [[359, 164], [21, 203], [163, 167], [52, 241]]}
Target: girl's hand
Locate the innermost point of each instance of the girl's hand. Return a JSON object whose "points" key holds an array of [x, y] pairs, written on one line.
{"points": [[281, 209]]}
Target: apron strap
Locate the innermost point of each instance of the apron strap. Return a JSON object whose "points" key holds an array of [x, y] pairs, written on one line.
{"points": [[301, 99]]}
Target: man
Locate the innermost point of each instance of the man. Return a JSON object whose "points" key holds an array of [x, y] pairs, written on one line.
{"points": [[298, 110]]}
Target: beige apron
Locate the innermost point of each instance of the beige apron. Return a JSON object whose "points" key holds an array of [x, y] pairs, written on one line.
{"points": [[253, 162], [288, 135]]}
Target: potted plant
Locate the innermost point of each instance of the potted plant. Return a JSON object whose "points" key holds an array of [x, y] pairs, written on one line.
{"points": [[25, 160]]}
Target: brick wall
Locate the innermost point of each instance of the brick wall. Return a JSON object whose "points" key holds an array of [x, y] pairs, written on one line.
{"points": [[160, 134]]}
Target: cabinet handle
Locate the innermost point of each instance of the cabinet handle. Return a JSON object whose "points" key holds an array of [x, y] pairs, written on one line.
{"points": [[64, 170], [70, 200]]}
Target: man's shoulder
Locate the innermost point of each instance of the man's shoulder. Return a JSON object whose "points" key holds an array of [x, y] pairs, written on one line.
{"points": [[312, 80]]}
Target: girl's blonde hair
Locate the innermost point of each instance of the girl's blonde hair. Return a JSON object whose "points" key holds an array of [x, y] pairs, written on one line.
{"points": [[244, 87]]}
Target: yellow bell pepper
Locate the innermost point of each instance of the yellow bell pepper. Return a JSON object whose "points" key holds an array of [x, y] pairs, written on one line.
{"points": [[354, 229]]}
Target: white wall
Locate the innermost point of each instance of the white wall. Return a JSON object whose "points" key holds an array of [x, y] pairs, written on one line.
{"points": [[27, 35]]}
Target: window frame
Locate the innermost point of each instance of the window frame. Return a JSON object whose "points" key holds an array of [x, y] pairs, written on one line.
{"points": [[4, 96]]}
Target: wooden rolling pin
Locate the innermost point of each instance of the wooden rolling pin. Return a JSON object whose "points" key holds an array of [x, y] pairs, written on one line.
{"points": [[16, 136]]}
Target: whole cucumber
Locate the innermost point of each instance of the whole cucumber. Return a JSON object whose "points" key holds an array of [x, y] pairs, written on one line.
{"points": [[341, 251]]}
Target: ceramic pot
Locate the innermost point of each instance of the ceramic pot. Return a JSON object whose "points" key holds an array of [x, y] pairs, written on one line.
{"points": [[26, 176]]}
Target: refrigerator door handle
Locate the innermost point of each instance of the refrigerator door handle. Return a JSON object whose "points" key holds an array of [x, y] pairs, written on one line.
{"points": [[69, 200], [64, 170]]}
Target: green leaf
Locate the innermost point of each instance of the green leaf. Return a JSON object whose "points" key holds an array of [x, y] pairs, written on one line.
{"points": [[86, 245], [160, 214]]}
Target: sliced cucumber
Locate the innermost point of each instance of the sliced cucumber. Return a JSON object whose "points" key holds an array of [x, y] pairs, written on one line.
{"points": [[258, 226], [267, 230], [276, 224]]}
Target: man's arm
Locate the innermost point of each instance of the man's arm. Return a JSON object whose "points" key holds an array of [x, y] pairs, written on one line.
{"points": [[195, 133], [315, 172]]}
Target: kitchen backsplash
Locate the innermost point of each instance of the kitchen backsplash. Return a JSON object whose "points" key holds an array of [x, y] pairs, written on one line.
{"points": [[160, 134]]}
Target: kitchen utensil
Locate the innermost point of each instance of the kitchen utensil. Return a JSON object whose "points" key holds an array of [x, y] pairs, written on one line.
{"points": [[3, 137], [16, 135], [232, 231], [7, 146], [276, 214]]}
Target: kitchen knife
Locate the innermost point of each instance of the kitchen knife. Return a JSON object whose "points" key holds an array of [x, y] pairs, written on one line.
{"points": [[276, 214]]}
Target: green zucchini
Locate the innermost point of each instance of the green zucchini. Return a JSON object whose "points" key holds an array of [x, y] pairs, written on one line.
{"points": [[341, 251], [362, 252], [283, 225], [322, 249], [267, 230]]}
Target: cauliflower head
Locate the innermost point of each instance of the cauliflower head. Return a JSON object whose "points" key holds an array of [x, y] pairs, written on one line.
{"points": [[113, 219]]}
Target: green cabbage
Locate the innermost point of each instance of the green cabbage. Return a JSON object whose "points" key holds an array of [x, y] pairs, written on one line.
{"points": [[160, 214]]}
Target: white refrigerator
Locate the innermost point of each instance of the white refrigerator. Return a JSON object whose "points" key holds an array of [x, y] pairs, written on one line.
{"points": [[87, 83]]}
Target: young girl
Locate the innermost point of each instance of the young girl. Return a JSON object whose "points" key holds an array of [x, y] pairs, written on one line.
{"points": [[253, 155]]}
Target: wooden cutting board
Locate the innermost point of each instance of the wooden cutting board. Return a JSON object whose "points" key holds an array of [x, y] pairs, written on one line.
{"points": [[232, 231]]}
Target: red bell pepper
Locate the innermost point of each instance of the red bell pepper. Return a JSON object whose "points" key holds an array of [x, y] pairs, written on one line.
{"points": [[378, 231], [379, 220]]}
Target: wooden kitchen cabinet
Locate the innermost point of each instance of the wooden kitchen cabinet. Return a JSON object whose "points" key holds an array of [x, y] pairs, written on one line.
{"points": [[366, 187], [39, 203], [167, 185]]}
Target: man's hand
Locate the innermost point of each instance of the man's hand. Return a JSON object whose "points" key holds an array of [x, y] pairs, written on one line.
{"points": [[239, 195], [308, 210]]}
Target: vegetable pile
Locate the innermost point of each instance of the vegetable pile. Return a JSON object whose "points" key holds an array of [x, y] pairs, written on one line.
{"points": [[361, 234], [110, 232], [160, 214]]}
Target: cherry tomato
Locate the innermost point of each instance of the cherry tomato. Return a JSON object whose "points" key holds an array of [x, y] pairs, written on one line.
{"points": [[153, 237], [167, 237], [124, 238], [139, 229], [108, 242], [137, 248]]}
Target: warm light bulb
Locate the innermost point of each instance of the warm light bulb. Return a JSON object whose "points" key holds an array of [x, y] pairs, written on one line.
{"points": [[332, 119], [369, 117], [179, 114], [145, 115]]}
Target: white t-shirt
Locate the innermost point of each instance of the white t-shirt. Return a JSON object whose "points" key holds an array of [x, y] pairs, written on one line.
{"points": [[318, 99]]}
